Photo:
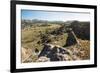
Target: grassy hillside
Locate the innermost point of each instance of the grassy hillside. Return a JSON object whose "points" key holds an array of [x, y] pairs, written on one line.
{"points": [[35, 35]]}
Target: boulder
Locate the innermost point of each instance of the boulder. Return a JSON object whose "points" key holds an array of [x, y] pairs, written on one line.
{"points": [[54, 53]]}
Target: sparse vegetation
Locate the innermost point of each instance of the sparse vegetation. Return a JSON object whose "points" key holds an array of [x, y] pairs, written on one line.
{"points": [[37, 32]]}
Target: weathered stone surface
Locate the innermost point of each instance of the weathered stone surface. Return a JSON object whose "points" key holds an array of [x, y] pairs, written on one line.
{"points": [[42, 59], [56, 53]]}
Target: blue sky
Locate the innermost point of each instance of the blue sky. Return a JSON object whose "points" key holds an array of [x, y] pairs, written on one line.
{"points": [[54, 16]]}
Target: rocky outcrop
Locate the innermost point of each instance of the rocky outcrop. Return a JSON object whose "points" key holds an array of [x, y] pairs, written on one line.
{"points": [[56, 53]]}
